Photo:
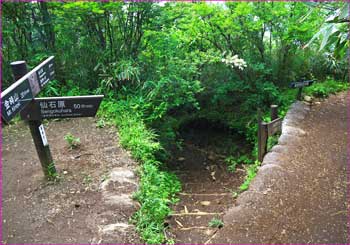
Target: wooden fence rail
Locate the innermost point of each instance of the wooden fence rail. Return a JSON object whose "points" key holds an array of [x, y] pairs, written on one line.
{"points": [[265, 130]]}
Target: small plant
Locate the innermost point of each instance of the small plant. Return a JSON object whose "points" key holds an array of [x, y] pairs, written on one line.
{"points": [[72, 141], [245, 160], [216, 223], [51, 171], [87, 179], [251, 173], [104, 177], [101, 123], [232, 163]]}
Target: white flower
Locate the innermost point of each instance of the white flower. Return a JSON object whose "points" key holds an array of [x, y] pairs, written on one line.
{"points": [[234, 61]]}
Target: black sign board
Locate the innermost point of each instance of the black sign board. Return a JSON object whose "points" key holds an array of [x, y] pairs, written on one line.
{"points": [[68, 107], [19, 94], [301, 84], [15, 100]]}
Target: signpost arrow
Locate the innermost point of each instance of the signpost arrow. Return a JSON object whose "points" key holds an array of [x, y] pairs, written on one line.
{"points": [[300, 85], [67, 107], [16, 97], [62, 107]]}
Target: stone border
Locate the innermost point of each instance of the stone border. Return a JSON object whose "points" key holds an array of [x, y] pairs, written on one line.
{"points": [[274, 165]]}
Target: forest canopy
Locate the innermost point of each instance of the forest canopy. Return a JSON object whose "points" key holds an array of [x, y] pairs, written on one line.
{"points": [[177, 56]]}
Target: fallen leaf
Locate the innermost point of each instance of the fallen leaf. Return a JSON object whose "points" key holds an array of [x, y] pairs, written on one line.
{"points": [[213, 175], [205, 203]]}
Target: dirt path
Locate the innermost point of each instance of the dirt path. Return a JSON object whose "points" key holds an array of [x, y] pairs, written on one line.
{"points": [[90, 204], [305, 201], [207, 186]]}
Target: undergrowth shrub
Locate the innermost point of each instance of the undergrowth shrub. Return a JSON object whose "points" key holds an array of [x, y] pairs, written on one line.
{"points": [[157, 187], [324, 89]]}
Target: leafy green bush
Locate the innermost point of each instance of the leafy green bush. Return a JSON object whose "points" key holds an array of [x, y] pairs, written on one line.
{"points": [[157, 188], [324, 89], [232, 162]]}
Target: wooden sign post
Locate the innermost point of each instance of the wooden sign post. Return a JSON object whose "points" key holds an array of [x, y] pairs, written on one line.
{"points": [[300, 86], [20, 97], [265, 130], [30, 84]]}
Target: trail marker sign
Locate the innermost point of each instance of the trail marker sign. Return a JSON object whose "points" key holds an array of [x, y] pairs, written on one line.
{"points": [[20, 97], [63, 107], [16, 97], [300, 86], [68, 107]]}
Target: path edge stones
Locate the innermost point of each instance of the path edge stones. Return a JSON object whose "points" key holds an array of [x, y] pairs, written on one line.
{"points": [[273, 167]]}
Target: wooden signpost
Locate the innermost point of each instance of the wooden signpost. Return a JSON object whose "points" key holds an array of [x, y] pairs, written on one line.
{"points": [[20, 97], [300, 86], [27, 86], [265, 130]]}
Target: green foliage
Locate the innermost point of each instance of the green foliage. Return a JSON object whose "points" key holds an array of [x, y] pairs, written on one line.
{"points": [[334, 31], [251, 173], [169, 94], [52, 174], [232, 162], [216, 223], [100, 123], [87, 180], [157, 187], [324, 89], [272, 140], [72, 141]]}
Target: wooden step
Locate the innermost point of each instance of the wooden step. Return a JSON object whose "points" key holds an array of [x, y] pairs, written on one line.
{"points": [[195, 214], [194, 207], [191, 235], [192, 220]]}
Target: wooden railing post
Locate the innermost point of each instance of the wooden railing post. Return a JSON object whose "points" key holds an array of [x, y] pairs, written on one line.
{"points": [[262, 137], [274, 112], [19, 69], [299, 94]]}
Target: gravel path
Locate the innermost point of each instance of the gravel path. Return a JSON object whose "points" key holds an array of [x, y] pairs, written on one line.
{"points": [[304, 197]]}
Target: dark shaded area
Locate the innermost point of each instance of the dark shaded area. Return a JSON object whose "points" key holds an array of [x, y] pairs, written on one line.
{"points": [[214, 136], [208, 188]]}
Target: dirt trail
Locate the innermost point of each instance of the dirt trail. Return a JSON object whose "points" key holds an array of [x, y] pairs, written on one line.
{"points": [[207, 186], [304, 201], [90, 204]]}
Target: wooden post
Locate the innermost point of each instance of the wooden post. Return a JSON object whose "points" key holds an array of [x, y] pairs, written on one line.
{"points": [[274, 112], [300, 90], [262, 137], [19, 69]]}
